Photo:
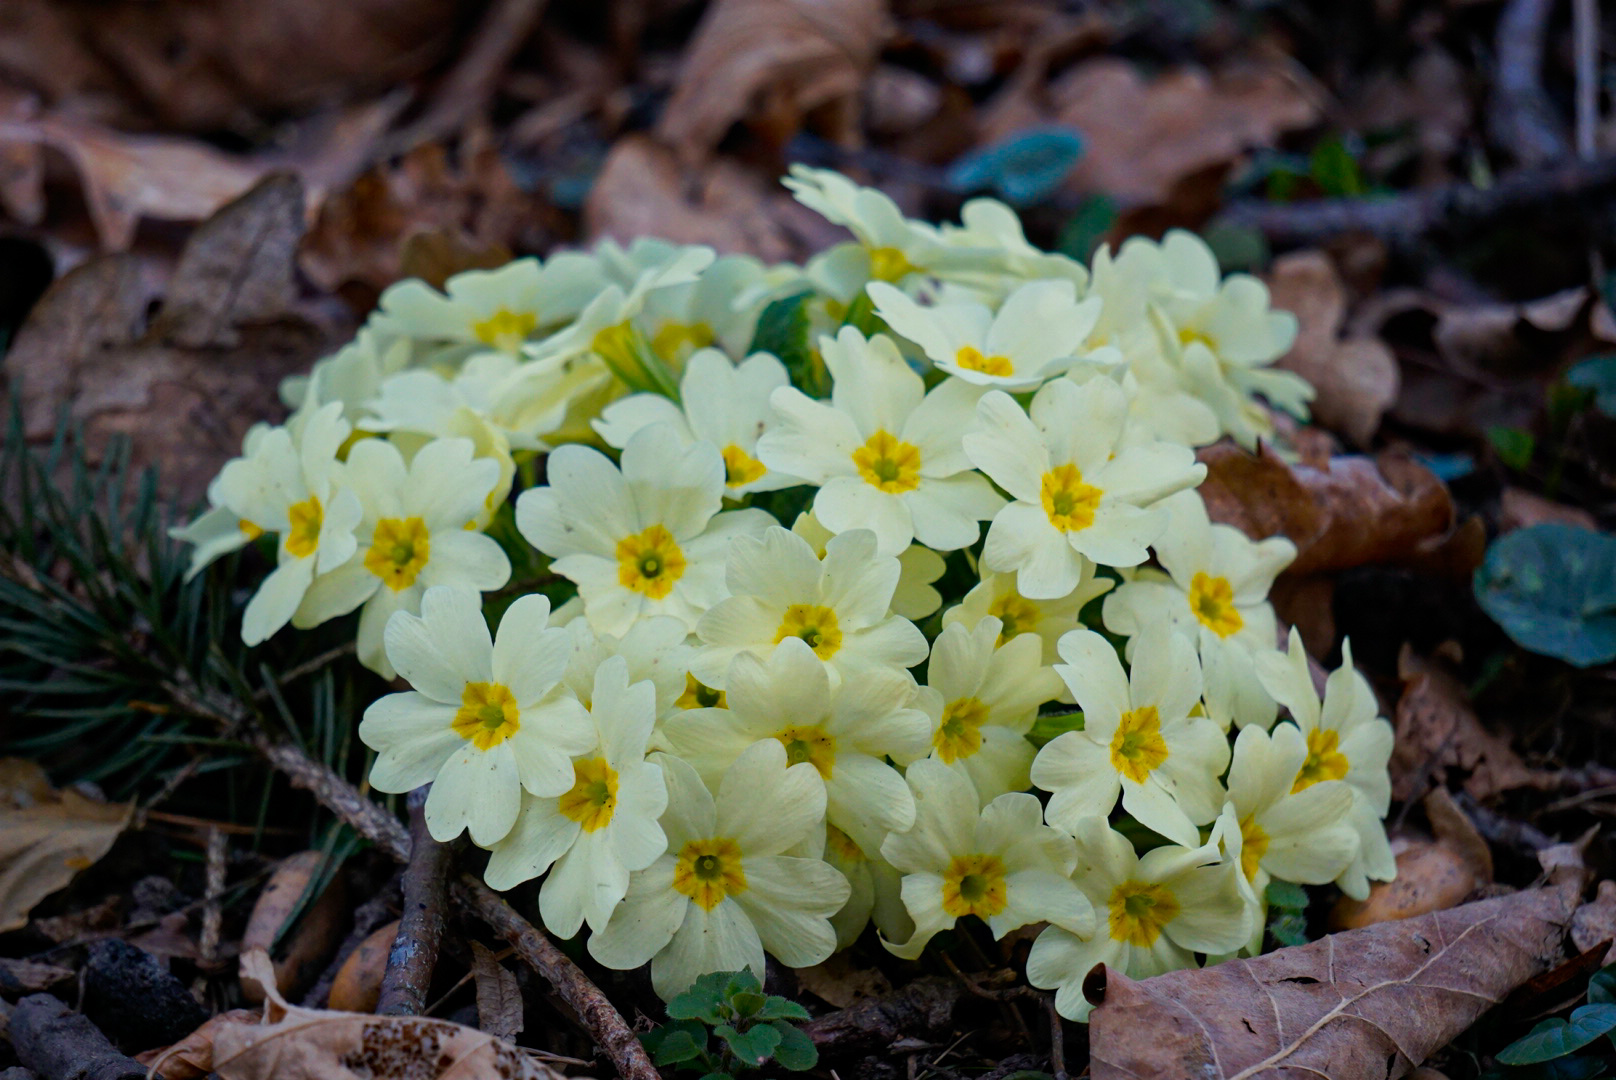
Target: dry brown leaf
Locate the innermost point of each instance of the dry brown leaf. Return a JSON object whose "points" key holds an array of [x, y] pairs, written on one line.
{"points": [[772, 62], [292, 1043], [1454, 830], [841, 982], [21, 977], [1519, 508], [305, 950], [499, 998], [192, 1057], [1360, 510], [1356, 377], [1431, 876], [1438, 731], [1370, 1002], [358, 985], [1594, 923], [47, 837]]}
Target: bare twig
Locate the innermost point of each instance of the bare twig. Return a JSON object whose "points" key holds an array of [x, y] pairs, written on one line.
{"points": [[1522, 118], [1585, 32], [420, 930], [212, 908]]}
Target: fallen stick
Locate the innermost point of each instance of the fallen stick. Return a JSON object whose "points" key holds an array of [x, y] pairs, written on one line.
{"points": [[414, 954], [1522, 118], [57, 1043]]}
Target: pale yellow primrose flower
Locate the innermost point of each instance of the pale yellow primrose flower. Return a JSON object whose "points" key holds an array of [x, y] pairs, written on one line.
{"points": [[418, 530], [656, 650], [604, 827], [877, 891], [720, 402], [1079, 491], [846, 733], [219, 530], [996, 595], [885, 453], [352, 375], [983, 699], [487, 720], [723, 893], [838, 607], [1035, 335], [1155, 912], [988, 225], [1346, 740], [1139, 738], [1215, 592], [642, 541], [1000, 863], [918, 567], [288, 485], [525, 402]]}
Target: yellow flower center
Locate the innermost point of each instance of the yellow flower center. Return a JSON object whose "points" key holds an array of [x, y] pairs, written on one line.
{"points": [[593, 797], [810, 743], [1188, 336], [398, 550], [1212, 601], [970, 358], [253, 531], [698, 695], [1069, 502], [487, 715], [890, 264], [974, 885], [740, 467], [1324, 760], [1254, 843], [1138, 747], [505, 329], [960, 733], [815, 624], [709, 870], [304, 535], [1139, 910], [1018, 614], [888, 463], [650, 562], [675, 341], [844, 847]]}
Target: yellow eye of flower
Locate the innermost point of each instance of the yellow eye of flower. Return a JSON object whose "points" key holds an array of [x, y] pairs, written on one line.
{"points": [[593, 797], [888, 463], [740, 467], [971, 358], [1139, 910], [709, 870], [812, 744], [1188, 337], [1212, 601], [974, 885], [1138, 747], [698, 695], [505, 329], [890, 264], [487, 715], [960, 733], [675, 341], [1324, 760], [304, 536], [398, 551], [253, 531], [650, 562], [842, 844], [816, 625], [1018, 614], [1069, 502], [1254, 843]]}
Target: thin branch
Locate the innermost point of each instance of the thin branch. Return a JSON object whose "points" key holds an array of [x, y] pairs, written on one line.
{"points": [[420, 930], [1522, 118]]}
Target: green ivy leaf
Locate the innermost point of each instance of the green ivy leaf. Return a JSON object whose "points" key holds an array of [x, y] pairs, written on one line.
{"points": [[1514, 446], [1602, 987], [1025, 168], [1556, 1038], [779, 1008], [1552, 588], [752, 1046], [796, 1051], [703, 1000], [1598, 374]]}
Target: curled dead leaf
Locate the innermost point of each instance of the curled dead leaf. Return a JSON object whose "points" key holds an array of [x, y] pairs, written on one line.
{"points": [[1438, 732], [46, 837], [318, 929], [499, 998], [1594, 923], [358, 984], [1431, 876], [192, 1057]]}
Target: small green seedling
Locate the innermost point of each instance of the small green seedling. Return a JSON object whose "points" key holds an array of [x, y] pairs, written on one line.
{"points": [[752, 1029]]}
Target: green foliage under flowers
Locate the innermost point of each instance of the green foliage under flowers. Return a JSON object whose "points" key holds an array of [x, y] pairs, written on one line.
{"points": [[1552, 588], [1551, 1048], [725, 1024]]}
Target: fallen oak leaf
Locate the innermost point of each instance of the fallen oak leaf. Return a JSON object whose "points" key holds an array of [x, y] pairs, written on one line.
{"points": [[1438, 731], [192, 1057], [1370, 1002], [47, 837]]}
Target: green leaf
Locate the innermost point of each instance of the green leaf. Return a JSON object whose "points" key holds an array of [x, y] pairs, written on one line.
{"points": [[1602, 987], [1513, 445], [1048, 727], [703, 999], [1552, 588], [796, 1051], [1286, 895], [675, 1043], [718, 1076], [1598, 374], [1086, 228], [747, 1003], [1025, 168], [752, 1046], [784, 328], [1555, 1038], [1335, 170], [779, 1008], [1288, 928]]}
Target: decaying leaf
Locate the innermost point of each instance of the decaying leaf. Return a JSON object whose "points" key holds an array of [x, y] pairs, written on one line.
{"points": [[1356, 376], [1594, 924], [317, 931], [192, 1057], [358, 985], [292, 1043], [841, 982], [1359, 510], [1431, 876], [772, 62], [1521, 509], [499, 998], [1370, 1002], [21, 977], [47, 837], [1438, 731]]}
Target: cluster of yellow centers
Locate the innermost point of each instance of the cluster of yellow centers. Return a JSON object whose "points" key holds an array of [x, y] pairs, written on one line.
{"points": [[487, 715], [698, 695], [960, 733], [1325, 761], [306, 517], [1138, 747], [972, 359], [1212, 601], [593, 796], [505, 329], [1069, 502], [975, 885], [709, 870], [398, 551], [815, 624], [650, 562], [888, 464], [1139, 910]]}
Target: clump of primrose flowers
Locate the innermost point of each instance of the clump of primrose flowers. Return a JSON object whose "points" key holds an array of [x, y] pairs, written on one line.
{"points": [[815, 552]]}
